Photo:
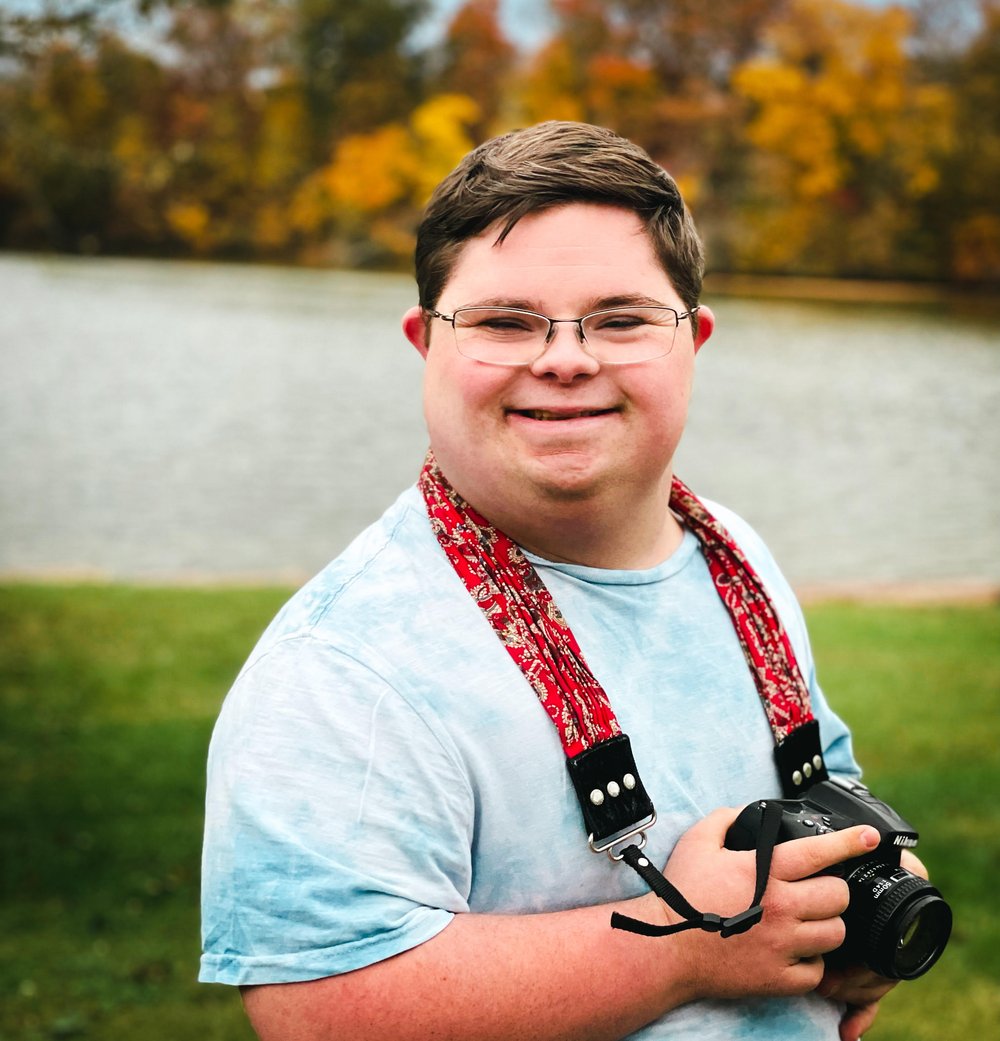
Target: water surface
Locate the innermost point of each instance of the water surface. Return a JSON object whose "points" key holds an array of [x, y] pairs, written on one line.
{"points": [[182, 421]]}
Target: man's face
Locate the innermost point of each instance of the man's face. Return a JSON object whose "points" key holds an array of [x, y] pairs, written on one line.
{"points": [[565, 428]]}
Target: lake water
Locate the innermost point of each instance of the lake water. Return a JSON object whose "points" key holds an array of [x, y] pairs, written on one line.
{"points": [[180, 421]]}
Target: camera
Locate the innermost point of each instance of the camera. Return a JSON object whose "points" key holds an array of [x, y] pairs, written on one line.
{"points": [[897, 923]]}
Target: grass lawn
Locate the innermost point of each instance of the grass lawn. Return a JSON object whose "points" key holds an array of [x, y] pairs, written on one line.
{"points": [[108, 695]]}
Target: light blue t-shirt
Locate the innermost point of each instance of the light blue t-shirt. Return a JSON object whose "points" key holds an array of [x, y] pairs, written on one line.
{"points": [[381, 764]]}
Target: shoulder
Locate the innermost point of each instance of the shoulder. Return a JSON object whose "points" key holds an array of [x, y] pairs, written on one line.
{"points": [[366, 596], [363, 636]]}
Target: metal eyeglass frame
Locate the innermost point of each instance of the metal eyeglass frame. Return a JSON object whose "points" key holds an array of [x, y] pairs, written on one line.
{"points": [[553, 322]]}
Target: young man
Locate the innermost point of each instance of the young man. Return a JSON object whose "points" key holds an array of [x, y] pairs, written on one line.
{"points": [[394, 848]]}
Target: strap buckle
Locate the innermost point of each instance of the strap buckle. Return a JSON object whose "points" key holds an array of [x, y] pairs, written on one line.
{"points": [[623, 839]]}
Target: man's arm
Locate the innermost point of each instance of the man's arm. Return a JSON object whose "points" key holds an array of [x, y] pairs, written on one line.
{"points": [[569, 975]]}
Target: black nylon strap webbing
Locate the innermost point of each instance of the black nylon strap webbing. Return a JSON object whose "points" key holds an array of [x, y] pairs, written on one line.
{"points": [[693, 918]]}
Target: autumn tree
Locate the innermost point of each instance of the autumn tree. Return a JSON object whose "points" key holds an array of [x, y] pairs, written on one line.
{"points": [[847, 139], [961, 217], [376, 183], [476, 59], [353, 64], [588, 71], [72, 96]]}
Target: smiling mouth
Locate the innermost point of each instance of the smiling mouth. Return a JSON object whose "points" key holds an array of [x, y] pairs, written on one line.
{"points": [[547, 416]]}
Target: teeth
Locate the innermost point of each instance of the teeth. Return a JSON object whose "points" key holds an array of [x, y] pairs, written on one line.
{"points": [[544, 414]]}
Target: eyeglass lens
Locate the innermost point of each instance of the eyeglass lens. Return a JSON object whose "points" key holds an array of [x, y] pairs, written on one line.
{"points": [[505, 336]]}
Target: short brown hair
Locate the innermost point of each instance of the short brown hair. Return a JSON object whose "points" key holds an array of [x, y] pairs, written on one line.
{"points": [[549, 165]]}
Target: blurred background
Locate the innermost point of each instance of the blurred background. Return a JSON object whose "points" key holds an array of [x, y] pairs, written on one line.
{"points": [[207, 211], [819, 137], [202, 419]]}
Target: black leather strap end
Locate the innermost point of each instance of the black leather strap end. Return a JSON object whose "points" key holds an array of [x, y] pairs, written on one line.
{"points": [[800, 762], [609, 789]]}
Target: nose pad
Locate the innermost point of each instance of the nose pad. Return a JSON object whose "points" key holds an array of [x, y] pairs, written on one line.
{"points": [[563, 362], [555, 322]]}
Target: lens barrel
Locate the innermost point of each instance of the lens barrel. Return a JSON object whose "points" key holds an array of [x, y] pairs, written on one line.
{"points": [[897, 923]]}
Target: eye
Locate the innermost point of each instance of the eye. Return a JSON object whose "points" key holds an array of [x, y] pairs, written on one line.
{"points": [[629, 321], [618, 320], [497, 322]]}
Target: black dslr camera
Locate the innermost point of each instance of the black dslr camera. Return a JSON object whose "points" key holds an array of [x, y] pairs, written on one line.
{"points": [[897, 923]]}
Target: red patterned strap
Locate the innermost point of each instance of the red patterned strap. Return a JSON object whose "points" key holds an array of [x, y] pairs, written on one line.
{"points": [[529, 624], [616, 808]]}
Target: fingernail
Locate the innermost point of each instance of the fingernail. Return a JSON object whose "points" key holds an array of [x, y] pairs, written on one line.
{"points": [[870, 838]]}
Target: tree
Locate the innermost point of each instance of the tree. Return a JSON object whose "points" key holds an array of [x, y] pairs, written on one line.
{"points": [[588, 71], [476, 60], [847, 139], [377, 183], [353, 65], [962, 214]]}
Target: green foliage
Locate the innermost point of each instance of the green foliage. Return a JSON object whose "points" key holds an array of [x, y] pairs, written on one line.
{"points": [[108, 695]]}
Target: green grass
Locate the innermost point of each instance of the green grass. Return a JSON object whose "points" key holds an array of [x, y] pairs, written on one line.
{"points": [[108, 695]]}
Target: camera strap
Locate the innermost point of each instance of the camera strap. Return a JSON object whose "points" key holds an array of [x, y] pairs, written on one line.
{"points": [[616, 809]]}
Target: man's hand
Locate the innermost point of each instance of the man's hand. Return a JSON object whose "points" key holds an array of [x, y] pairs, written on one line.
{"points": [[494, 977], [782, 955], [860, 990], [858, 987]]}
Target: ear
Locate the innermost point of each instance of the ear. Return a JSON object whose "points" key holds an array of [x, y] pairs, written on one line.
{"points": [[415, 330], [706, 326]]}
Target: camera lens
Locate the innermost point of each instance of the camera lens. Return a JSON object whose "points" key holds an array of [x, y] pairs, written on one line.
{"points": [[897, 923], [924, 930]]}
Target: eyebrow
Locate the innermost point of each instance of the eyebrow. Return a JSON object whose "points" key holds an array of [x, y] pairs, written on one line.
{"points": [[594, 304]]}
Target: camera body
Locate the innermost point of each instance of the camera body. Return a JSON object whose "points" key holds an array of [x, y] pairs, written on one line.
{"points": [[897, 922]]}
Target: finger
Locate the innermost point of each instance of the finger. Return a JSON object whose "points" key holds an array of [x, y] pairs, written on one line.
{"points": [[813, 939], [803, 975], [816, 899], [913, 864], [801, 858], [854, 985], [857, 1021]]}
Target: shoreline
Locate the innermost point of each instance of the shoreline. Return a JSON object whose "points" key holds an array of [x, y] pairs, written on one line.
{"points": [[848, 290]]}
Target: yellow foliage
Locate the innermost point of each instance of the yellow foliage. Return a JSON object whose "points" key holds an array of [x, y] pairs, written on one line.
{"points": [[270, 228], [191, 221], [369, 172], [310, 208], [552, 88], [283, 127], [395, 164], [690, 185], [834, 113], [440, 129], [398, 241]]}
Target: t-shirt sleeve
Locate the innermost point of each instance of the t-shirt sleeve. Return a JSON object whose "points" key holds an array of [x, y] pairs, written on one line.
{"points": [[338, 821]]}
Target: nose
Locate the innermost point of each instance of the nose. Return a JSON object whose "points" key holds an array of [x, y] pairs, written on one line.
{"points": [[565, 356]]}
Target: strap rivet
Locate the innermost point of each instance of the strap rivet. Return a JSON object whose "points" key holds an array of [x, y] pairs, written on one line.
{"points": [[797, 778], [597, 797], [629, 781], [818, 762], [807, 769], [642, 862], [613, 789]]}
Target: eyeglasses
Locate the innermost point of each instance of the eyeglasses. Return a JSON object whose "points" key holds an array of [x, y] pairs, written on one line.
{"points": [[614, 336]]}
